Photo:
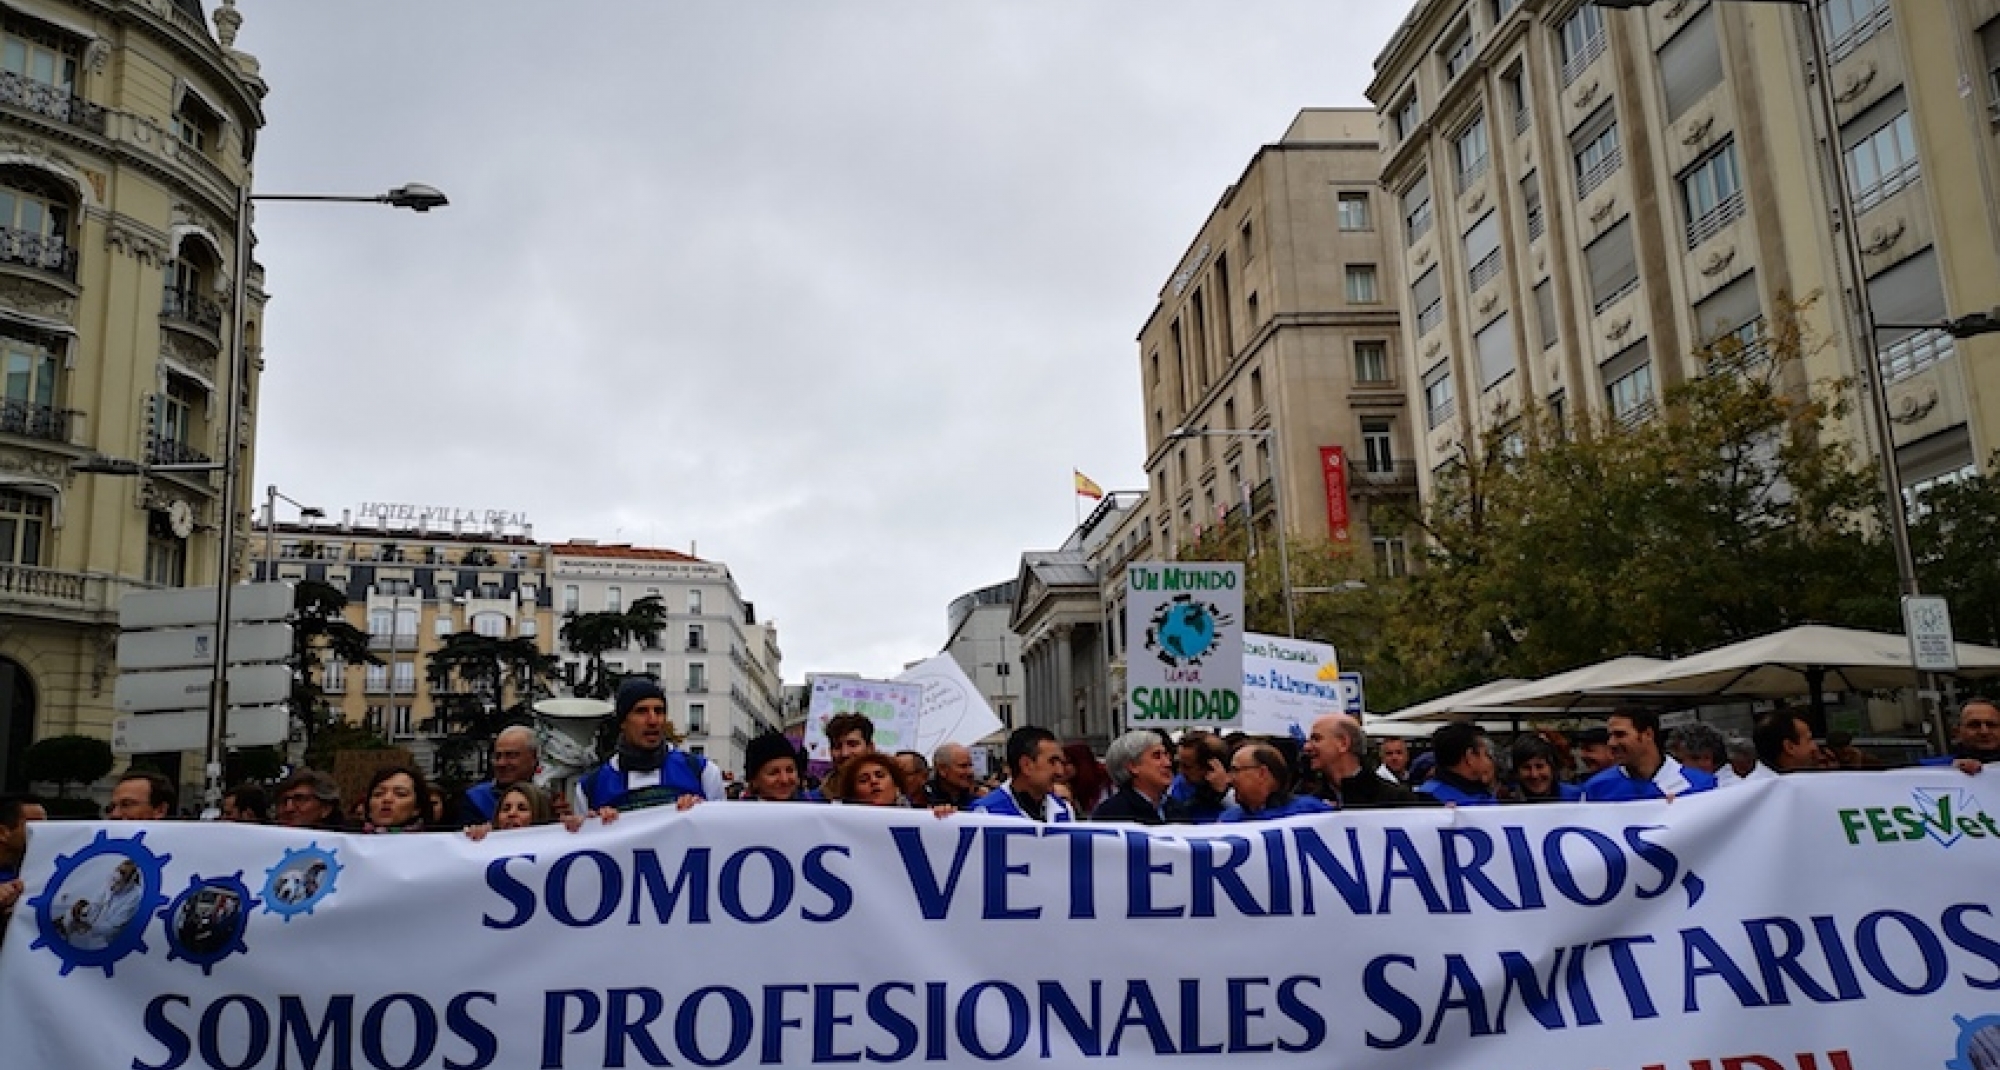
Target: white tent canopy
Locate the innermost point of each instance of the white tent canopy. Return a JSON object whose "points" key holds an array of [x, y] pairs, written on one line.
{"points": [[1795, 662], [1576, 690], [1444, 706]]}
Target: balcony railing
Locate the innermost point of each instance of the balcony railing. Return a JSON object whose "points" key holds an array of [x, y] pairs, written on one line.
{"points": [[696, 687], [1726, 211], [1604, 168], [34, 421], [41, 251], [1537, 222], [1384, 474], [70, 595], [52, 101], [194, 309], [1888, 185], [1908, 356], [1430, 317], [162, 450], [1523, 119], [1473, 172], [1485, 271], [392, 641], [1593, 48]]}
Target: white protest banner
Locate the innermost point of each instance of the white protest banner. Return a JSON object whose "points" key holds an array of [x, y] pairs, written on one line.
{"points": [[1184, 645], [1837, 921], [954, 710], [1287, 684], [894, 707]]}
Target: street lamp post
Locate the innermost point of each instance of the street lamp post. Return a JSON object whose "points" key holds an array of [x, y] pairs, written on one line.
{"points": [[271, 499], [1269, 436], [417, 198]]}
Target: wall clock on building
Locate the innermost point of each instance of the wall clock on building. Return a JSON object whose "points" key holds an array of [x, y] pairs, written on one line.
{"points": [[180, 517]]}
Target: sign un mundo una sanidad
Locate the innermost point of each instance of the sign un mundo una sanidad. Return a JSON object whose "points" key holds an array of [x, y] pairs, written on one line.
{"points": [[1184, 645]]}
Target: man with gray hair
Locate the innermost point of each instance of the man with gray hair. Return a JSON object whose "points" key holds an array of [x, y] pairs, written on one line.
{"points": [[1143, 771], [1700, 746], [952, 781], [516, 756], [1334, 750]]}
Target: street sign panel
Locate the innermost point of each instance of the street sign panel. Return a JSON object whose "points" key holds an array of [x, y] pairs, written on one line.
{"points": [[151, 733], [187, 689], [186, 648], [182, 606], [1927, 621]]}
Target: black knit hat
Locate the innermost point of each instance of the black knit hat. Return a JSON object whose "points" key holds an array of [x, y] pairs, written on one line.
{"points": [[767, 748], [635, 690]]}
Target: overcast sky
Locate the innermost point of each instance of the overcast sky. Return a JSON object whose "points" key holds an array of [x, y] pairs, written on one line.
{"points": [[835, 292]]}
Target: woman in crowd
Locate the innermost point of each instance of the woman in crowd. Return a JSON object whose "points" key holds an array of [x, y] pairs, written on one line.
{"points": [[399, 800], [871, 779], [1089, 781], [522, 806], [1535, 774]]}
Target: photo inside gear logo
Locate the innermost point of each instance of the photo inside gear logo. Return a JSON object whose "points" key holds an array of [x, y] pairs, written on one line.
{"points": [[1978, 1043], [1183, 630], [301, 881], [97, 905], [206, 923]]}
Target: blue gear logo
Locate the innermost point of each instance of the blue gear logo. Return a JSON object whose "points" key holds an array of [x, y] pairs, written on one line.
{"points": [[1978, 1043], [301, 881], [1183, 631], [96, 907], [205, 923]]}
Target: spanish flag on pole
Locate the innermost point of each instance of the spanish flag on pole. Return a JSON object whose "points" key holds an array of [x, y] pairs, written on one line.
{"points": [[1086, 487]]}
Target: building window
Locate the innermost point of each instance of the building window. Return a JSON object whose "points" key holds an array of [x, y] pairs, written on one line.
{"points": [[1712, 194], [1392, 556], [31, 52], [1378, 445], [166, 560], [1417, 210], [1912, 292], [1628, 383], [1427, 297], [1371, 362], [1594, 147], [570, 600], [1473, 152], [697, 676], [1545, 314], [1690, 64], [1482, 251], [697, 717], [1531, 206], [614, 600], [1408, 114], [490, 625], [34, 223], [405, 678], [1257, 390], [1440, 398], [1457, 53], [1989, 45], [697, 638], [1613, 265], [1248, 233], [378, 678], [1580, 40], [1354, 214], [1361, 284], [694, 602], [333, 679], [1514, 95], [28, 405], [1495, 346], [401, 720], [1881, 152], [1850, 22], [178, 407], [195, 125]]}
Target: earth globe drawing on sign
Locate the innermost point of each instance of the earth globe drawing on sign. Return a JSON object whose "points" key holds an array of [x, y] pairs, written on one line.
{"points": [[1185, 631]]}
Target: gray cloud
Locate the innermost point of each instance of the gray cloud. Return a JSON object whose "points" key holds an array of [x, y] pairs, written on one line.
{"points": [[837, 291]]}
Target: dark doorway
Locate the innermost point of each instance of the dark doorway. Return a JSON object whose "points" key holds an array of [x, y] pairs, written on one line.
{"points": [[17, 724]]}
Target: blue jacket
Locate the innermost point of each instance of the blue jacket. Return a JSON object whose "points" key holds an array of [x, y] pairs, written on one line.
{"points": [[482, 801], [1297, 804], [1442, 792], [608, 785], [1613, 785], [1001, 801]]}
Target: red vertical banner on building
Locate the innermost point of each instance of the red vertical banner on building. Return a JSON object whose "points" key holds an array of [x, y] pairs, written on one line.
{"points": [[1333, 468]]}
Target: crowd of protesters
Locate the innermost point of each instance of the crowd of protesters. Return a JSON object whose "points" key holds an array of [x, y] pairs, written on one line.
{"points": [[1144, 777]]}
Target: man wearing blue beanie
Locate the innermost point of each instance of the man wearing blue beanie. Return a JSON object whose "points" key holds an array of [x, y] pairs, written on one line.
{"points": [[647, 771]]}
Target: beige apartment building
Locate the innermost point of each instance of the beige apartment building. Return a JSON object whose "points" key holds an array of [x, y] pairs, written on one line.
{"points": [[126, 133], [1587, 197], [412, 581], [1281, 320]]}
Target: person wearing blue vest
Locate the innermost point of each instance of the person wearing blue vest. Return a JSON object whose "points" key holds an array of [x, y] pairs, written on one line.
{"points": [[1643, 770], [647, 771], [1033, 758], [1465, 770]]}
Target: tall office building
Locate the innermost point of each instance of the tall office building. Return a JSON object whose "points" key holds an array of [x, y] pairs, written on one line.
{"points": [[1281, 321], [126, 135], [1588, 197]]}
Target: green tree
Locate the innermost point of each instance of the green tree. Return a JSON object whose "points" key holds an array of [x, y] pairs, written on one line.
{"points": [[1956, 540], [320, 631], [338, 736], [595, 634], [480, 685], [1730, 513], [66, 760]]}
